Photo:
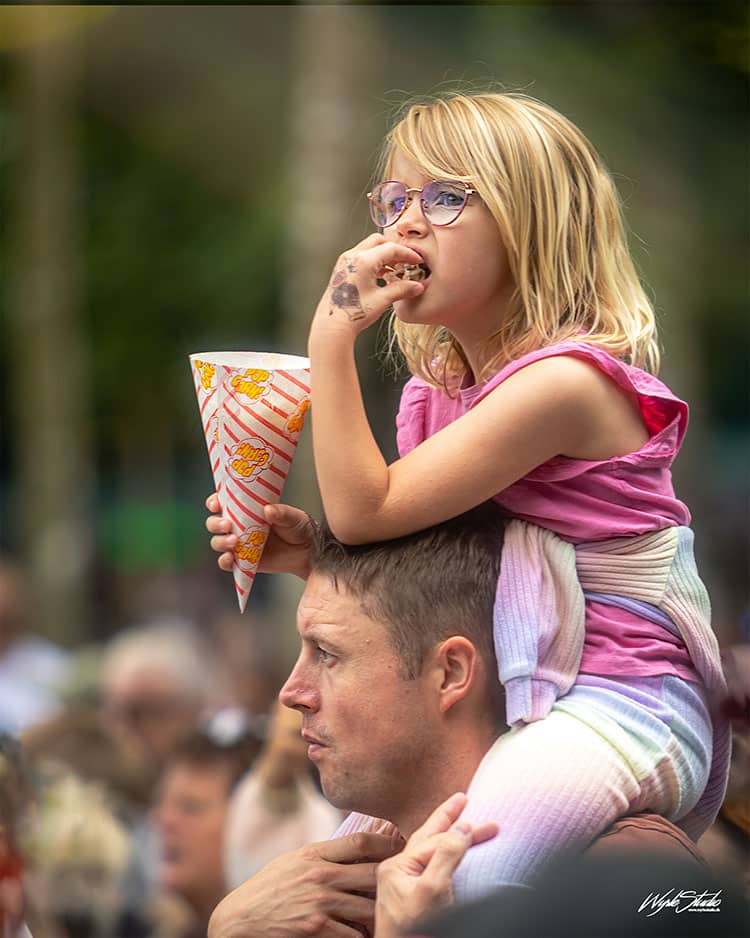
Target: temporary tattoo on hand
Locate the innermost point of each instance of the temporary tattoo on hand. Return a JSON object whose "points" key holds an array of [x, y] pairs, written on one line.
{"points": [[345, 295]]}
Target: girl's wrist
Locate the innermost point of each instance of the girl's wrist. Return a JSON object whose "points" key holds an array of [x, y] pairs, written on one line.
{"points": [[328, 331]]}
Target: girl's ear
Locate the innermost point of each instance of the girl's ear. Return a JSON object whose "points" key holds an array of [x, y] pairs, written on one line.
{"points": [[455, 669]]}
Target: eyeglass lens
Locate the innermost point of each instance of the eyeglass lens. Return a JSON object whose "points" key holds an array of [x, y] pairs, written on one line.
{"points": [[442, 202]]}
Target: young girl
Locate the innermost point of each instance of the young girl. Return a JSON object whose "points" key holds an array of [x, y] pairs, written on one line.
{"points": [[530, 339]]}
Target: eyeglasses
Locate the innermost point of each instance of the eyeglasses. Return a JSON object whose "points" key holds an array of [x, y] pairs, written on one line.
{"points": [[441, 201]]}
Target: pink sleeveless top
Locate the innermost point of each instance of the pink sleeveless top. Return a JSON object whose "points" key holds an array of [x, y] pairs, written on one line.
{"points": [[589, 500]]}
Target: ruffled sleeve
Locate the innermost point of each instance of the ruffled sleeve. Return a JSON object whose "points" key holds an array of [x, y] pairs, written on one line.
{"points": [[411, 420]]}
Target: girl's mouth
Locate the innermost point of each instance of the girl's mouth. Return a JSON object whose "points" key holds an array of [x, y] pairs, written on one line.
{"points": [[417, 272]]}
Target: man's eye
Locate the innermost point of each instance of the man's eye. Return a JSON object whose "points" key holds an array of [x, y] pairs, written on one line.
{"points": [[324, 656]]}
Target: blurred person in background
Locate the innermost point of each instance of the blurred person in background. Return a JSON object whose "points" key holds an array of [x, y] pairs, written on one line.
{"points": [[249, 666], [33, 670], [190, 819], [726, 843], [15, 797], [78, 855], [78, 742], [158, 682], [276, 807]]}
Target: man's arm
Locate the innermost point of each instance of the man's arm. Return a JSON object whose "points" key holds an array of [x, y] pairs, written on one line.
{"points": [[323, 890]]}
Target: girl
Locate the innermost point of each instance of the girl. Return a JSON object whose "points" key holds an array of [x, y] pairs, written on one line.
{"points": [[531, 341]]}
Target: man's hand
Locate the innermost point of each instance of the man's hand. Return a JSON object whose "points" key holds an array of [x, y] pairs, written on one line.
{"points": [[417, 881], [288, 544], [323, 890]]}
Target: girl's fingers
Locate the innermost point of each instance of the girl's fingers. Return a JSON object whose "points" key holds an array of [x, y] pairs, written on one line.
{"points": [[388, 253], [399, 290], [212, 502]]}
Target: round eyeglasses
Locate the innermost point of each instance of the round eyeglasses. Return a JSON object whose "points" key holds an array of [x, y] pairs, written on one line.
{"points": [[441, 201]]}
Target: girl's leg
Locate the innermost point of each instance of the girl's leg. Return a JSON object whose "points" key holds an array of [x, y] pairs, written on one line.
{"points": [[604, 750]]}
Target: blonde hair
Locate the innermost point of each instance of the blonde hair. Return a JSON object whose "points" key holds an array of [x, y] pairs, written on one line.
{"points": [[560, 221]]}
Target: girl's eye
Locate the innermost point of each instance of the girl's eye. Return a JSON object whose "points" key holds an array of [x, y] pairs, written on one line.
{"points": [[449, 198]]}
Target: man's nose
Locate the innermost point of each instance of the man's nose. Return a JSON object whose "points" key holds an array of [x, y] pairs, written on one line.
{"points": [[298, 692]]}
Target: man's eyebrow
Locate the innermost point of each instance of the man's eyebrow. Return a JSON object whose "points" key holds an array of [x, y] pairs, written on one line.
{"points": [[317, 632]]}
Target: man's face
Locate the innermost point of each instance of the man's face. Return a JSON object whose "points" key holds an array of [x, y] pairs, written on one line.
{"points": [[367, 725], [190, 816], [150, 710]]}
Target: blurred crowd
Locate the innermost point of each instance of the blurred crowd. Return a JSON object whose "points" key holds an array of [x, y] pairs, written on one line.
{"points": [[141, 783], [144, 779]]}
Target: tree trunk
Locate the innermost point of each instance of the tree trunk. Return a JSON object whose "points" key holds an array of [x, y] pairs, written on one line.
{"points": [[329, 151], [53, 464]]}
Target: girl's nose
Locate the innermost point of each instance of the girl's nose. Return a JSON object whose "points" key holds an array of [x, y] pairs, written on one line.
{"points": [[412, 222]]}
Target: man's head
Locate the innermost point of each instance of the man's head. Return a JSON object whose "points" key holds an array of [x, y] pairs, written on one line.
{"points": [[396, 677], [190, 814], [12, 609], [157, 680]]}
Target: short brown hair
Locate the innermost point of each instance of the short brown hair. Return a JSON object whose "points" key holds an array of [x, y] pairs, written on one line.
{"points": [[204, 749], [425, 586]]}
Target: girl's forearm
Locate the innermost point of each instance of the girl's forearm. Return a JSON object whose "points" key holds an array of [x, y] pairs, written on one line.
{"points": [[352, 475]]}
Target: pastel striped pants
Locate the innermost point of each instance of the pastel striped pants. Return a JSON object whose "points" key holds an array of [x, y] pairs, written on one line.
{"points": [[608, 748]]}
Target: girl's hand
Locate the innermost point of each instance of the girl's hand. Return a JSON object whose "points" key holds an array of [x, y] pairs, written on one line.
{"points": [[417, 881], [353, 298], [287, 547]]}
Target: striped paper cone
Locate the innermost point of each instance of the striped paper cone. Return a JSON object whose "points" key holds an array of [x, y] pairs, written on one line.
{"points": [[253, 407]]}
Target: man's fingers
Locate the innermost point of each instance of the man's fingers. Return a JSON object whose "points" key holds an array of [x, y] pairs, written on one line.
{"points": [[418, 855], [226, 562], [450, 849], [358, 848], [340, 930], [294, 521], [482, 832], [347, 907]]}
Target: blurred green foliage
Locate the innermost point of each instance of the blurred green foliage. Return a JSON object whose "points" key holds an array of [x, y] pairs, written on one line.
{"points": [[181, 126]]}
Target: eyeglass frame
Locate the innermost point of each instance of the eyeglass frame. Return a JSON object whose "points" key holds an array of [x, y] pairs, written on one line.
{"points": [[408, 189]]}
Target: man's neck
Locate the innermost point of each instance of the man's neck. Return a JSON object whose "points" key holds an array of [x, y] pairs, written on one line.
{"points": [[453, 771]]}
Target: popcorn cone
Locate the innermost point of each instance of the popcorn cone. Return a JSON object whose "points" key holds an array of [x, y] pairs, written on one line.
{"points": [[253, 407]]}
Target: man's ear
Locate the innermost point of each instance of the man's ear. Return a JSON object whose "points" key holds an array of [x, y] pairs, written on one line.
{"points": [[455, 669]]}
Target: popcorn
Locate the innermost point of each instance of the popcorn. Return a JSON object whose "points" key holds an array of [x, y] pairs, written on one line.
{"points": [[416, 272]]}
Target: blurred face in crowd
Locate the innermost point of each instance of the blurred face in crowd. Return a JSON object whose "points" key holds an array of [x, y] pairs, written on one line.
{"points": [[147, 707], [11, 605], [369, 727], [190, 815]]}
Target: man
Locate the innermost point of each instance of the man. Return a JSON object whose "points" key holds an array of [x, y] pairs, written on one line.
{"points": [[399, 698], [396, 680], [157, 682], [189, 816]]}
